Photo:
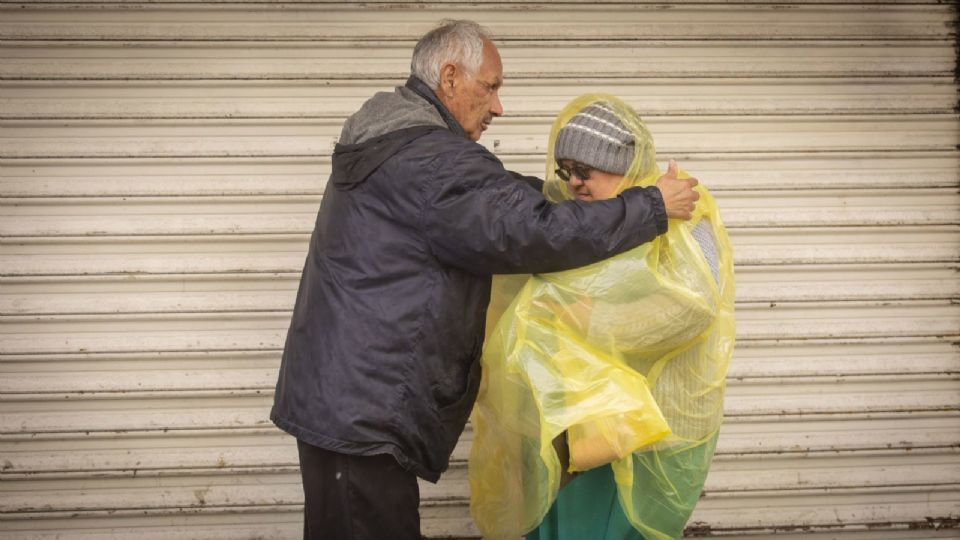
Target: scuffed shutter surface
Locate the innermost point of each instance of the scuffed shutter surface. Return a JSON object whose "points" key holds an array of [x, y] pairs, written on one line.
{"points": [[162, 163]]}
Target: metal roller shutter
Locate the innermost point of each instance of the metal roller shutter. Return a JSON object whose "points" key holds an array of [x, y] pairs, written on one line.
{"points": [[162, 163]]}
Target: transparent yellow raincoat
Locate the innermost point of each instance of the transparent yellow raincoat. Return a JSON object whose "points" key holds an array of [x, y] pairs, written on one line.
{"points": [[628, 356]]}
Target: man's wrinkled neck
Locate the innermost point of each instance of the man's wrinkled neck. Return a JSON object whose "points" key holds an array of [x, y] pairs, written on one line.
{"points": [[429, 94]]}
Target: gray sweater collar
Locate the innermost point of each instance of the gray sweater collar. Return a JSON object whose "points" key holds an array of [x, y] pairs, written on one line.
{"points": [[411, 105]]}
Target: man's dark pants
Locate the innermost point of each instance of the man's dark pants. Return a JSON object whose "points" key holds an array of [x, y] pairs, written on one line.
{"points": [[357, 497]]}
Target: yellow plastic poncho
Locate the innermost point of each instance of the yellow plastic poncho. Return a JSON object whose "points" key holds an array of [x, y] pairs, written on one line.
{"points": [[628, 356]]}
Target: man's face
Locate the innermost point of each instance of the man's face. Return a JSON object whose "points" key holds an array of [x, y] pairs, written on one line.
{"points": [[473, 101]]}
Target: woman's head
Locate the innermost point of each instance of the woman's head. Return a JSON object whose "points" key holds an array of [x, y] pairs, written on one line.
{"points": [[600, 147]]}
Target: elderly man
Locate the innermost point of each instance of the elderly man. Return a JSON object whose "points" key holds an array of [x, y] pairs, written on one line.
{"points": [[381, 364]]}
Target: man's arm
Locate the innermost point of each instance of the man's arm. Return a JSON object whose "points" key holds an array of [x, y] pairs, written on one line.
{"points": [[478, 218], [531, 181]]}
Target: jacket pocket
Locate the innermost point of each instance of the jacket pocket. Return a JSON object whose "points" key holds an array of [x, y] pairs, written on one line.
{"points": [[454, 415]]}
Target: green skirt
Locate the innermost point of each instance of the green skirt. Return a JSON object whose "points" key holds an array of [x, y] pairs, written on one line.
{"points": [[587, 507]]}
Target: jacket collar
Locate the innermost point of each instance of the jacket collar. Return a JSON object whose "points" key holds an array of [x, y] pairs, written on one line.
{"points": [[424, 91]]}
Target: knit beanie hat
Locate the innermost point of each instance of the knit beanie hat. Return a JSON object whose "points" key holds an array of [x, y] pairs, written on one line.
{"points": [[596, 137]]}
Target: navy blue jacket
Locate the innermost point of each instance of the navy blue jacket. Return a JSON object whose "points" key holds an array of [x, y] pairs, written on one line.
{"points": [[382, 355]]}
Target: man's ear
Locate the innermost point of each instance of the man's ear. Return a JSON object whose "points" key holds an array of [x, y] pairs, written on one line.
{"points": [[448, 80]]}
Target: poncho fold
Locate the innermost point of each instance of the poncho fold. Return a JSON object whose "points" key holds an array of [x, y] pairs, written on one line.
{"points": [[628, 356]]}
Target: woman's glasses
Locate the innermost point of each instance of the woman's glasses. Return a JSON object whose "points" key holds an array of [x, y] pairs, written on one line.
{"points": [[580, 171]]}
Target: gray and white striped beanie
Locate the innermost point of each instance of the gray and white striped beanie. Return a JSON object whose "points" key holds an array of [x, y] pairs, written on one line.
{"points": [[597, 138]]}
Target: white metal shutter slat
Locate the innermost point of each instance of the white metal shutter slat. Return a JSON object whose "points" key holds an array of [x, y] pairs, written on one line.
{"points": [[744, 438], [243, 292], [250, 215], [285, 253], [61, 60], [36, 334], [205, 138], [557, 22], [149, 177], [298, 98]]}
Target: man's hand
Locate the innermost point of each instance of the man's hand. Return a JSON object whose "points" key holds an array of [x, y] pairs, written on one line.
{"points": [[678, 195]]}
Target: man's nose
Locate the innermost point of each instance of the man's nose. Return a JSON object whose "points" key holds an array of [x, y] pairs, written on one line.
{"points": [[575, 181], [496, 108]]}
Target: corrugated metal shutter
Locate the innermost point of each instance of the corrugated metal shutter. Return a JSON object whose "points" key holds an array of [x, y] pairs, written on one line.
{"points": [[161, 168]]}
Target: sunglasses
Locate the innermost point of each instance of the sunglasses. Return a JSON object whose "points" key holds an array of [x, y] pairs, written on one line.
{"points": [[580, 171]]}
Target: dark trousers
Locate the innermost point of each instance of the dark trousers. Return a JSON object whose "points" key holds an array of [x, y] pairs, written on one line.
{"points": [[357, 497]]}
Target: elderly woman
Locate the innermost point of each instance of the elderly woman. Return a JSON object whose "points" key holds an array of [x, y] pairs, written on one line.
{"points": [[611, 374]]}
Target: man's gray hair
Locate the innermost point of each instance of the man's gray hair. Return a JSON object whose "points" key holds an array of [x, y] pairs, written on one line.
{"points": [[457, 42]]}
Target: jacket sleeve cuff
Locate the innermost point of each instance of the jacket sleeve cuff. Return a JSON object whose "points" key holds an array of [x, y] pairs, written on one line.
{"points": [[659, 208]]}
